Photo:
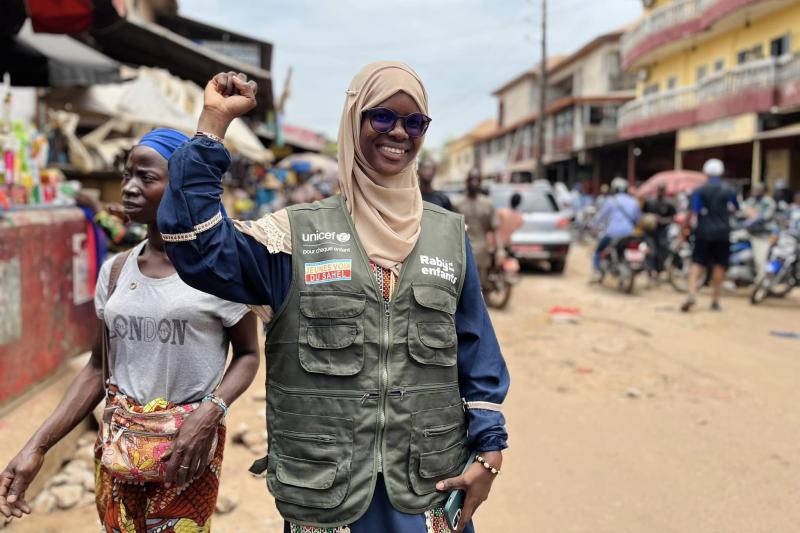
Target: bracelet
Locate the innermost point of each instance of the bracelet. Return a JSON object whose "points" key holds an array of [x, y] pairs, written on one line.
{"points": [[486, 465], [219, 402], [209, 135]]}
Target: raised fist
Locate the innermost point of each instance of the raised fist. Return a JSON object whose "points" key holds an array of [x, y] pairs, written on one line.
{"points": [[229, 95]]}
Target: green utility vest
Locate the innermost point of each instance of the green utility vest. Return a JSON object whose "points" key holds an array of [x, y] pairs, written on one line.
{"points": [[358, 386]]}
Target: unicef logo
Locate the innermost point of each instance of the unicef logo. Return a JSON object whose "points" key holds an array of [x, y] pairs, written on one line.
{"points": [[342, 237]]}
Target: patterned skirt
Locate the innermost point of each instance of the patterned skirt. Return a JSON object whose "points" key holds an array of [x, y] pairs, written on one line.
{"points": [[153, 508]]}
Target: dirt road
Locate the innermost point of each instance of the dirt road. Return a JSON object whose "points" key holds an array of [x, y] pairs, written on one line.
{"points": [[641, 419], [637, 419]]}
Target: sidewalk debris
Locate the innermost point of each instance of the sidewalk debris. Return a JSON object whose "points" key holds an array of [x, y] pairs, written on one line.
{"points": [[634, 393], [786, 334], [564, 315]]}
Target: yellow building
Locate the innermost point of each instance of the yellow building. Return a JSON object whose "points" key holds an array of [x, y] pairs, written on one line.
{"points": [[459, 155], [716, 78]]}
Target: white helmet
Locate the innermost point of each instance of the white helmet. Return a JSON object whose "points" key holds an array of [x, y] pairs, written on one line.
{"points": [[619, 185], [714, 167]]}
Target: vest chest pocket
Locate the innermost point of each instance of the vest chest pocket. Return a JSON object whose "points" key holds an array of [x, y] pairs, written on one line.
{"points": [[432, 336], [438, 447], [331, 332]]}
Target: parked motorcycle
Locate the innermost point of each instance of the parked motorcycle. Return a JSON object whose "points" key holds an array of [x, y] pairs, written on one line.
{"points": [[624, 259], [582, 226], [741, 267], [501, 278], [782, 271]]}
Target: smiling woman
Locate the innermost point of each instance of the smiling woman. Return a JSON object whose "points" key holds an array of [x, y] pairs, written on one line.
{"points": [[381, 341]]}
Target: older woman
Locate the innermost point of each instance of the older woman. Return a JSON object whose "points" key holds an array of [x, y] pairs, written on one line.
{"points": [[167, 347], [380, 340]]}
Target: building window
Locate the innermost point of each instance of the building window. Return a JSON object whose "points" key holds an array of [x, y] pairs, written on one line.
{"points": [[613, 63], [780, 46], [750, 54], [564, 123], [651, 89], [672, 82], [719, 65], [700, 73], [595, 114]]}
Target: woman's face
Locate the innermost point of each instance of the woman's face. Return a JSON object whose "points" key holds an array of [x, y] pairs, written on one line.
{"points": [[381, 149], [143, 183]]}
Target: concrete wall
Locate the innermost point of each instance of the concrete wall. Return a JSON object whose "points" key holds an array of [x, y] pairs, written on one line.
{"points": [[46, 307], [519, 101]]}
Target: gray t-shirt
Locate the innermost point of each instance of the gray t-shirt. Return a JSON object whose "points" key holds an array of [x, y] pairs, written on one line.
{"points": [[166, 339]]}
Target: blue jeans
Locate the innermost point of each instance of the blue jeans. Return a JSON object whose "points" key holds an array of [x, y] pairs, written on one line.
{"points": [[602, 244]]}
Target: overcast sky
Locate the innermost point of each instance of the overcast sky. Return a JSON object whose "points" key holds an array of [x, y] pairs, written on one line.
{"points": [[462, 49]]}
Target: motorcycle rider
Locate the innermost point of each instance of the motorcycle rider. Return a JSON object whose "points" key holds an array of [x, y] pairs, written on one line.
{"points": [[711, 205], [620, 213]]}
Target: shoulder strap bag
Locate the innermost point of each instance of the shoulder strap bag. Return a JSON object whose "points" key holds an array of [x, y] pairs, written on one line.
{"points": [[133, 440]]}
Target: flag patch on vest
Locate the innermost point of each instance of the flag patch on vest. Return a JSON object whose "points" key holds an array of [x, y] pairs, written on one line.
{"points": [[329, 271]]}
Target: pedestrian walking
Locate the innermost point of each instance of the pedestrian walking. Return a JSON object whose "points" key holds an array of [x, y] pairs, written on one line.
{"points": [[711, 205], [481, 219], [385, 375], [159, 451], [760, 209], [427, 173], [663, 211]]}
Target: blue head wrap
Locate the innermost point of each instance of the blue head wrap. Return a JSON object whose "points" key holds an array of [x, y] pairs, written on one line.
{"points": [[164, 141]]}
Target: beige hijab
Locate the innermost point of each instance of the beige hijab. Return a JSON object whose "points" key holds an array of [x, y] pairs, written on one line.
{"points": [[386, 210]]}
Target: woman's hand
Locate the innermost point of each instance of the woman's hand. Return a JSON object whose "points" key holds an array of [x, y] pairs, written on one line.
{"points": [[188, 456], [16, 478], [476, 483], [227, 95]]}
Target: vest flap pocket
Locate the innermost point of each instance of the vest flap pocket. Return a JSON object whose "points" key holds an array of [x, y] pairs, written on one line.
{"points": [[331, 337], [334, 350], [441, 462], [317, 475], [437, 335], [435, 297], [433, 343], [332, 304]]}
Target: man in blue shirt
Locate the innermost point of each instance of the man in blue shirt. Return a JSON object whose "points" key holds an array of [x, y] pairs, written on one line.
{"points": [[711, 205], [620, 214]]}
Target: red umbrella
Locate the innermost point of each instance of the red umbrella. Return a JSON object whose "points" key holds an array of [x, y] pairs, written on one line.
{"points": [[676, 181]]}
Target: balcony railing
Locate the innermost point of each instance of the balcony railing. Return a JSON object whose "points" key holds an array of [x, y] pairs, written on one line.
{"points": [[662, 18], [760, 74], [789, 69], [655, 105]]}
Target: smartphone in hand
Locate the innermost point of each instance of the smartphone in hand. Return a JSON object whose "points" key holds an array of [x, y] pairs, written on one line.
{"points": [[455, 502]]}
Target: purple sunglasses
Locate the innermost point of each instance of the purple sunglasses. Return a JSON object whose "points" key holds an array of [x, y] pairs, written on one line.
{"points": [[383, 120]]}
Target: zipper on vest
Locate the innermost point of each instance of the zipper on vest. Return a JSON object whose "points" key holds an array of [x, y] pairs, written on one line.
{"points": [[326, 393], [415, 389], [440, 430], [308, 437], [384, 382]]}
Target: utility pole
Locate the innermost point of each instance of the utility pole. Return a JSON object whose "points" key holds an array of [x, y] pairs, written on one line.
{"points": [[542, 98]]}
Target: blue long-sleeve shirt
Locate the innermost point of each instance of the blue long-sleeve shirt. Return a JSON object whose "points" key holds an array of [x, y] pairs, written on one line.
{"points": [[620, 214], [233, 265]]}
